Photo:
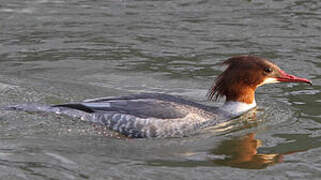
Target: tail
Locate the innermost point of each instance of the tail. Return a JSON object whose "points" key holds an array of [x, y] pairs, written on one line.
{"points": [[57, 109], [27, 108]]}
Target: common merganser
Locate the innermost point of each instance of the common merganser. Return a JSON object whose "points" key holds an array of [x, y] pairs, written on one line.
{"points": [[163, 115]]}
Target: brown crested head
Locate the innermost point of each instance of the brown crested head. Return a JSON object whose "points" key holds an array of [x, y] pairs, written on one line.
{"points": [[244, 74]]}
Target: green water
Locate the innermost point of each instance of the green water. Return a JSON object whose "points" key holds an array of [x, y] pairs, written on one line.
{"points": [[69, 50]]}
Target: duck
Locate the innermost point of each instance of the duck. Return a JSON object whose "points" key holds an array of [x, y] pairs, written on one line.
{"points": [[150, 115]]}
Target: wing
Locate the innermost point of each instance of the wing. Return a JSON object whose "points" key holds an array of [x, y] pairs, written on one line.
{"points": [[159, 106]]}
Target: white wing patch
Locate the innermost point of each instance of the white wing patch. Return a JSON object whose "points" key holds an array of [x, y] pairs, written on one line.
{"points": [[97, 105]]}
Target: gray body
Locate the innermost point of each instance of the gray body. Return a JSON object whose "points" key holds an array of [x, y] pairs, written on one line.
{"points": [[139, 115]]}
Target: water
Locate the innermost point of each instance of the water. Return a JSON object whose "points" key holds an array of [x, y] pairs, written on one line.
{"points": [[60, 51]]}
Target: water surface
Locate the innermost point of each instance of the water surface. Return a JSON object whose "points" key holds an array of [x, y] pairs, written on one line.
{"points": [[60, 51]]}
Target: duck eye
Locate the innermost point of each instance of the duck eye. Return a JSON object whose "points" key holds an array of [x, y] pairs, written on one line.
{"points": [[268, 70]]}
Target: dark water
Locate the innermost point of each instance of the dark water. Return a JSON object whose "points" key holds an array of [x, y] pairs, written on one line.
{"points": [[55, 51]]}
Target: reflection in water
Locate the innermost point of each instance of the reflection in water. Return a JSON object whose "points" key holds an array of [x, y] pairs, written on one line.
{"points": [[238, 152], [242, 152]]}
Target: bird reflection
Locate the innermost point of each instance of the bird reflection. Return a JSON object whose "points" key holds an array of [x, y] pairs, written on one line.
{"points": [[242, 152]]}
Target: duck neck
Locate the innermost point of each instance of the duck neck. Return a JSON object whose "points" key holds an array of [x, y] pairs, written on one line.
{"points": [[236, 108], [237, 93]]}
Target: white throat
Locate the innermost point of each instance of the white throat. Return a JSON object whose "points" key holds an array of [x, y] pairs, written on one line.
{"points": [[236, 108]]}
